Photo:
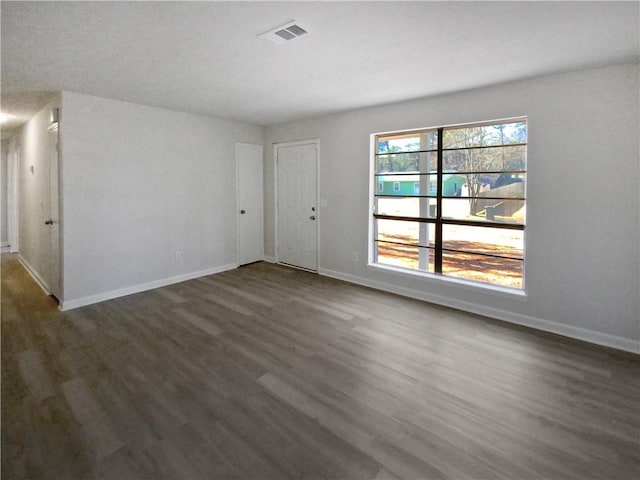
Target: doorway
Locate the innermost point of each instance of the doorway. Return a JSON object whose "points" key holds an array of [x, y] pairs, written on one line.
{"points": [[296, 167], [53, 279], [249, 204]]}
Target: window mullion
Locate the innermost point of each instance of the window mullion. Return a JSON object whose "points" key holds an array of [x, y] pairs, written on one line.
{"points": [[438, 239], [423, 169]]}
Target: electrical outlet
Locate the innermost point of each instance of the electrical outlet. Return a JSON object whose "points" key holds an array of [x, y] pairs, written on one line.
{"points": [[178, 255], [355, 256]]}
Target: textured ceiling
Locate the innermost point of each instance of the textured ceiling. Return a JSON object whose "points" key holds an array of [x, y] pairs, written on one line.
{"points": [[205, 58]]}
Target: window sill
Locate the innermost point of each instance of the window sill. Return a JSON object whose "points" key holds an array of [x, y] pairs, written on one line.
{"points": [[464, 284]]}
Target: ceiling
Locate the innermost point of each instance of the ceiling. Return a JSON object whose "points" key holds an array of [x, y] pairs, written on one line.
{"points": [[206, 58]]}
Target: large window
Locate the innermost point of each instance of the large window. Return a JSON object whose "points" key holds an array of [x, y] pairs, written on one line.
{"points": [[452, 201]]}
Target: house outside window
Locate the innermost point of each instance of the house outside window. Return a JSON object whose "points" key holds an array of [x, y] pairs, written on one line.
{"points": [[465, 215]]}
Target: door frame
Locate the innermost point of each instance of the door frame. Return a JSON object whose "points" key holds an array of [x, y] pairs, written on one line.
{"points": [[276, 146], [238, 145], [55, 210]]}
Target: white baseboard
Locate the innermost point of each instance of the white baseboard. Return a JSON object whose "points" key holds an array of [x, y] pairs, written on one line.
{"points": [[34, 274], [121, 292], [578, 333], [5, 249], [269, 259]]}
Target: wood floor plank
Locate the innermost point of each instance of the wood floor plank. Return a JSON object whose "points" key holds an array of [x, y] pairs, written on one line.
{"points": [[231, 305], [88, 412], [267, 372], [170, 295], [35, 375], [323, 413], [197, 321], [241, 291]]}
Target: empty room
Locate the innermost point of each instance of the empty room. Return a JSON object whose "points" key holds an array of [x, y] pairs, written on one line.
{"points": [[320, 240]]}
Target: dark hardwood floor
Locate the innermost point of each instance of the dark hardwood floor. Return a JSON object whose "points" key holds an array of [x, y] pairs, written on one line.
{"points": [[266, 372]]}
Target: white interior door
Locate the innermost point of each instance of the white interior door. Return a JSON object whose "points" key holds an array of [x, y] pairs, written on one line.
{"points": [[12, 197], [297, 209], [250, 203], [53, 222]]}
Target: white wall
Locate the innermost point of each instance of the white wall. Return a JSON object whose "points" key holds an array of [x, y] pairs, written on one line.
{"points": [[33, 191], [13, 188], [4, 154], [140, 183], [582, 251]]}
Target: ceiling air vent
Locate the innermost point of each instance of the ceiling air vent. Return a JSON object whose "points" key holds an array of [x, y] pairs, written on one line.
{"points": [[284, 33]]}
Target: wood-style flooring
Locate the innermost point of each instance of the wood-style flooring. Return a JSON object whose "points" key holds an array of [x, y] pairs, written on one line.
{"points": [[266, 372]]}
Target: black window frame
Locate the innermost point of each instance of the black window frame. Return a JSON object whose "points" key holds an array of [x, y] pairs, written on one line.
{"points": [[438, 220]]}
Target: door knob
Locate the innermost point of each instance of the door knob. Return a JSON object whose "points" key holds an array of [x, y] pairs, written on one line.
{"points": [[312, 217], [242, 212], [49, 222]]}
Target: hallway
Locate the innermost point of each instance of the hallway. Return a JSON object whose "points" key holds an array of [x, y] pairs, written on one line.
{"points": [[266, 372]]}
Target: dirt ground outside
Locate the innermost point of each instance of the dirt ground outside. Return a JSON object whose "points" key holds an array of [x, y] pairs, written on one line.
{"points": [[471, 262], [498, 271]]}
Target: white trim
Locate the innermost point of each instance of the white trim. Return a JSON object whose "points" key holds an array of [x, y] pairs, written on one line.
{"points": [[288, 265], [121, 292], [61, 196], [269, 258], [318, 216], [275, 203], [5, 249], [371, 200], [312, 141], [34, 274], [55, 192], [471, 285], [571, 331]]}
